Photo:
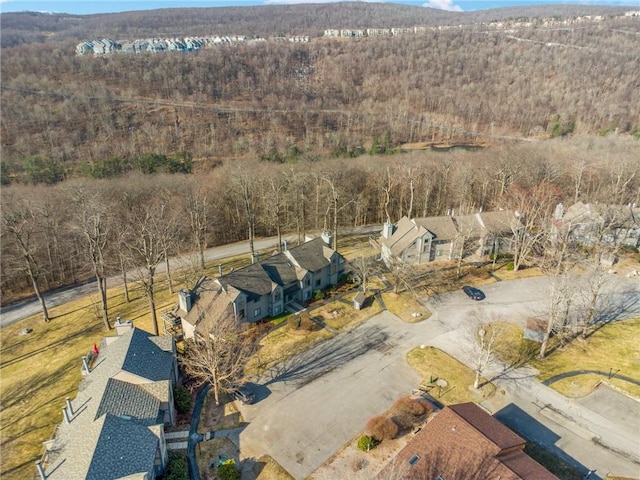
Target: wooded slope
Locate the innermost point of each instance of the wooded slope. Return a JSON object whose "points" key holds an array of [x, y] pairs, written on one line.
{"points": [[327, 97]]}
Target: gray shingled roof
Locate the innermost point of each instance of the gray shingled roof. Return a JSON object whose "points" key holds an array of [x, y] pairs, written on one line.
{"points": [[498, 222], [123, 398], [310, 255], [123, 448], [145, 359], [78, 445], [444, 227], [252, 280], [280, 269]]}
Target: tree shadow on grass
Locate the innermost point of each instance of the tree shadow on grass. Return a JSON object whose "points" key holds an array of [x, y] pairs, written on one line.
{"points": [[328, 355]]}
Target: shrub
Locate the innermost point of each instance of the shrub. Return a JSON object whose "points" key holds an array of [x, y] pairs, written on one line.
{"points": [[182, 399], [228, 470], [301, 322], [178, 468], [366, 443], [408, 405], [510, 266], [382, 428], [403, 420], [318, 295]]}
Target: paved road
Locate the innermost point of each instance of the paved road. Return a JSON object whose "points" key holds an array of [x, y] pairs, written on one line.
{"points": [[31, 306], [20, 310], [312, 405]]}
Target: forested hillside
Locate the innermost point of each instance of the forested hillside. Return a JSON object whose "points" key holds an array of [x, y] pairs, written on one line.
{"points": [[282, 101]]}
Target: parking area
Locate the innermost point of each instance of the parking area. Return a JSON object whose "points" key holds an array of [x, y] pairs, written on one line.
{"points": [[310, 406]]}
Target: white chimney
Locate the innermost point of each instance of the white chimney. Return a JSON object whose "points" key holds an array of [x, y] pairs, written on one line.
{"points": [[285, 245], [122, 327], [387, 229], [69, 406], [184, 300], [327, 238]]}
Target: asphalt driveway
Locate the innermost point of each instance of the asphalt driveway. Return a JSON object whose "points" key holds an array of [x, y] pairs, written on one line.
{"points": [[317, 401]]}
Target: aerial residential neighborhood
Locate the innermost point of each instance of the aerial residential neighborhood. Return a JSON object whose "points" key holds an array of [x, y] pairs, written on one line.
{"points": [[126, 396], [319, 241]]}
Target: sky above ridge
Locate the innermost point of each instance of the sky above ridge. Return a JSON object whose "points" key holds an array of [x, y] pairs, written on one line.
{"points": [[84, 7]]}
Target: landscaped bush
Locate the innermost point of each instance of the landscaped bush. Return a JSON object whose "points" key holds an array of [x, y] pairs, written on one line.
{"points": [[412, 406], [318, 295], [382, 428], [404, 420], [509, 266], [182, 399], [366, 443], [301, 322], [228, 470], [178, 468]]}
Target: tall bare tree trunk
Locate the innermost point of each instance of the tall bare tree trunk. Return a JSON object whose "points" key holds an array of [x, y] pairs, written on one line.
{"points": [[43, 305]]}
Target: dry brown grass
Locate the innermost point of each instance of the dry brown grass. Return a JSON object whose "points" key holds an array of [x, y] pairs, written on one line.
{"points": [[343, 316], [614, 346], [280, 345], [404, 305], [433, 363], [271, 470]]}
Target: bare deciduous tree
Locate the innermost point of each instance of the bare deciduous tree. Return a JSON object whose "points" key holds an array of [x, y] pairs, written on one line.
{"points": [[533, 207], [484, 332], [218, 358], [20, 223], [92, 220], [149, 227]]}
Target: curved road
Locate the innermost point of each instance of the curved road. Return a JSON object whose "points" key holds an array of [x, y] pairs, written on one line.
{"points": [[575, 373], [26, 308]]}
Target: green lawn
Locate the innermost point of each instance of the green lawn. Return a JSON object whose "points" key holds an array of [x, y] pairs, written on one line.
{"points": [[40, 369]]}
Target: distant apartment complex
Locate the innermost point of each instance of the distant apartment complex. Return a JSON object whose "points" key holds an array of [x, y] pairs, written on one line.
{"points": [[107, 46]]}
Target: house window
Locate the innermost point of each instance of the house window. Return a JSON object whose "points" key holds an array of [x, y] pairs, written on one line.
{"points": [[276, 295], [307, 295], [307, 282], [317, 282], [241, 313], [256, 312], [277, 309]]}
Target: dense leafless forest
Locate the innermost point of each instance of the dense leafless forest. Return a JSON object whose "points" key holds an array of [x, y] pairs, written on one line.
{"points": [[226, 143], [58, 234]]}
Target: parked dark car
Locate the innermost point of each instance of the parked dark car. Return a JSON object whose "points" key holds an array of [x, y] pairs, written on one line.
{"points": [[473, 293], [243, 394]]}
